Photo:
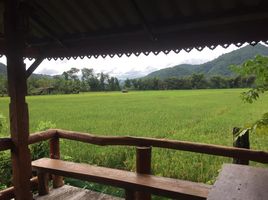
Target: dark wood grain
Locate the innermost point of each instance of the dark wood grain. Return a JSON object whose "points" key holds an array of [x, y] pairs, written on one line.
{"points": [[5, 144], [15, 30], [129, 180], [143, 166]]}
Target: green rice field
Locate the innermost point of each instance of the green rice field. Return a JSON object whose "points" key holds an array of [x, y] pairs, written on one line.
{"points": [[206, 116]]}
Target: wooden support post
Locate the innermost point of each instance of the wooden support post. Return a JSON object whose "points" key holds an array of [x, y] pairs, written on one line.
{"points": [[241, 142], [14, 28], [43, 179], [54, 144], [143, 166]]}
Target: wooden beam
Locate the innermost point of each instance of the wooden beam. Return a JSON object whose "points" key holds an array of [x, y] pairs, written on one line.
{"points": [[33, 67], [17, 88]]}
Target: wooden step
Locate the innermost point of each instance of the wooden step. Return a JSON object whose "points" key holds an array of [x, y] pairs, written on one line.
{"points": [[162, 186]]}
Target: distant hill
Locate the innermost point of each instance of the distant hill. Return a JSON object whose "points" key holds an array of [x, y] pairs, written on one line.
{"points": [[3, 71], [218, 66]]}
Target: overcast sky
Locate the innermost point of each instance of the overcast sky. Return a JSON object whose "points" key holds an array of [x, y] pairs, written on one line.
{"points": [[130, 67]]}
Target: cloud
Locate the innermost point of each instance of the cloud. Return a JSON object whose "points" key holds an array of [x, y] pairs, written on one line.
{"points": [[48, 71]]}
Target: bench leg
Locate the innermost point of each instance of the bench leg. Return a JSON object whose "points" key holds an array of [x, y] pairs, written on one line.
{"points": [[43, 179], [130, 194], [143, 196], [57, 181]]}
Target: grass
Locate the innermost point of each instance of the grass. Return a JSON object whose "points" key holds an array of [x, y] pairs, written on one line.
{"points": [[206, 116]]}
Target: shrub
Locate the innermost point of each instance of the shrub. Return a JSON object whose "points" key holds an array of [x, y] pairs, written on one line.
{"points": [[41, 149], [38, 150]]}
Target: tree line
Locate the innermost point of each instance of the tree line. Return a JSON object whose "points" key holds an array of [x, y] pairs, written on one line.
{"points": [[195, 81], [69, 82]]}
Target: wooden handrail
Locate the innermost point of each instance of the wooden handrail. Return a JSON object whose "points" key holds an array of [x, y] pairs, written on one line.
{"points": [[52, 134], [218, 150], [42, 136]]}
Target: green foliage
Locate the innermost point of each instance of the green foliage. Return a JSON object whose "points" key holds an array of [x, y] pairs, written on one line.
{"points": [[3, 125], [257, 67], [38, 150], [41, 149], [195, 81], [5, 169], [5, 162]]}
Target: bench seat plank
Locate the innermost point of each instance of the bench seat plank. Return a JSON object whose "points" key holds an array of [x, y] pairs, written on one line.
{"points": [[129, 180]]}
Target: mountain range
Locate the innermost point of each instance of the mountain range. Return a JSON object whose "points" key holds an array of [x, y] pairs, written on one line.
{"points": [[216, 67]]}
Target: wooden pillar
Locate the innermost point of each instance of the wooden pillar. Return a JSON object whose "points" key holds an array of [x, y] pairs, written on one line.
{"points": [[143, 166], [54, 144], [241, 142], [17, 88]]}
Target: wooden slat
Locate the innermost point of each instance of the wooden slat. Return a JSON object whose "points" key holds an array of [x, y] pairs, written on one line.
{"points": [[254, 155], [157, 185]]}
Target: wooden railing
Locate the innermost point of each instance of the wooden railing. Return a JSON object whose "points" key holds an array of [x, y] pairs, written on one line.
{"points": [[143, 155]]}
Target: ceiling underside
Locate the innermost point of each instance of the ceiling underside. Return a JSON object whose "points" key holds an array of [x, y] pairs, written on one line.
{"points": [[70, 28]]}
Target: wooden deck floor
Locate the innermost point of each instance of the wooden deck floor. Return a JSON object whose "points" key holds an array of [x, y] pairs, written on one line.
{"points": [[67, 192]]}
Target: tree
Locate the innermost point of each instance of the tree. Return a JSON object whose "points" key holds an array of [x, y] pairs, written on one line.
{"points": [[3, 85], [128, 83], [257, 67], [198, 81]]}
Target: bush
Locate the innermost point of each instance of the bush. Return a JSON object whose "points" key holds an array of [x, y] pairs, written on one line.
{"points": [[41, 149], [5, 169], [3, 125], [38, 150]]}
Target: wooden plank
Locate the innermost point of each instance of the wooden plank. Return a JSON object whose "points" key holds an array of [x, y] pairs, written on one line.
{"points": [[17, 89], [148, 183], [68, 192], [240, 182], [254, 155]]}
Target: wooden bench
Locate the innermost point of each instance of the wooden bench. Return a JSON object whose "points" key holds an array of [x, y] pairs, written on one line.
{"points": [[130, 181]]}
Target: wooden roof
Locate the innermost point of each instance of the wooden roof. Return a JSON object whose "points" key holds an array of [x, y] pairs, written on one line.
{"points": [[70, 28]]}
